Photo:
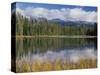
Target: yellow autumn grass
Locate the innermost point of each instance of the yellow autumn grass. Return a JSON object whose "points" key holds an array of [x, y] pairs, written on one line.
{"points": [[57, 65]]}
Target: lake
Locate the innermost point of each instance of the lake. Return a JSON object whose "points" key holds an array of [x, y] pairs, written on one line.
{"points": [[46, 53]]}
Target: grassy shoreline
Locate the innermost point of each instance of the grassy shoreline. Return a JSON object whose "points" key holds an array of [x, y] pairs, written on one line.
{"points": [[37, 66]]}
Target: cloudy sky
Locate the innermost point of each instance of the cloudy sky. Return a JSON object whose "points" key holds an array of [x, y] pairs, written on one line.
{"points": [[62, 12]]}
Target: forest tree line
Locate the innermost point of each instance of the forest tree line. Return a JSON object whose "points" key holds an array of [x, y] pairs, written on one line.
{"points": [[41, 26]]}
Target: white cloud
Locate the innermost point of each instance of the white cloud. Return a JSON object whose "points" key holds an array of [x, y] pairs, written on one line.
{"points": [[18, 10], [75, 14]]}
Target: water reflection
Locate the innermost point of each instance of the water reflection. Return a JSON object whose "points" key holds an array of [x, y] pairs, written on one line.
{"points": [[72, 55], [43, 54], [71, 49]]}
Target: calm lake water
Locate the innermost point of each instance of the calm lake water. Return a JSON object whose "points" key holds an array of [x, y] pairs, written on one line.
{"points": [[43, 49]]}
